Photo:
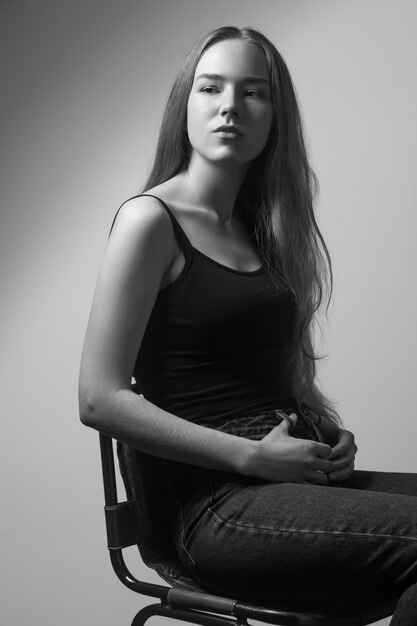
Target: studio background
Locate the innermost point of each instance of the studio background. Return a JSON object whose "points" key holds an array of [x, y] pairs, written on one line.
{"points": [[83, 87]]}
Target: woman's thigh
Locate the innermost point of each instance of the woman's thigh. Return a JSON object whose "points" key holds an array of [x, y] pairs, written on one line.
{"points": [[265, 540]]}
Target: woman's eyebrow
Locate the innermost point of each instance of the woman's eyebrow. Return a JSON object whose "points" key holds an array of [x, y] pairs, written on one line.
{"points": [[246, 79]]}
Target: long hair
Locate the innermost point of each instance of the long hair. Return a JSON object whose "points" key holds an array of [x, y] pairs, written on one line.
{"points": [[276, 196]]}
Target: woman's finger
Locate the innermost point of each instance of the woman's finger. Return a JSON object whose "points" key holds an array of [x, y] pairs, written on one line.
{"points": [[342, 474], [322, 465], [345, 444], [287, 424], [317, 478], [343, 462], [322, 450], [341, 447]]}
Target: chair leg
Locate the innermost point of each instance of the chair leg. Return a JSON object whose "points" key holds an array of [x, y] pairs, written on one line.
{"points": [[194, 617]]}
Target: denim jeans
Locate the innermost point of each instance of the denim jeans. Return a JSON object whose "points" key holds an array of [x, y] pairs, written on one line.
{"points": [[244, 537]]}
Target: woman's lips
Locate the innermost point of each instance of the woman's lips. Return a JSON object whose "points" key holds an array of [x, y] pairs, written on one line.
{"points": [[232, 131]]}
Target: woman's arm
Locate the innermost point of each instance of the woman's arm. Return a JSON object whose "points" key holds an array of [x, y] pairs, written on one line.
{"points": [[139, 253]]}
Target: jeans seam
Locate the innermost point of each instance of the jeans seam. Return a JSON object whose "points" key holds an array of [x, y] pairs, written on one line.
{"points": [[211, 500], [277, 531], [183, 533]]}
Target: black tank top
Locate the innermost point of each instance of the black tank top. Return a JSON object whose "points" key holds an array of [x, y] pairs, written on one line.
{"points": [[217, 341]]}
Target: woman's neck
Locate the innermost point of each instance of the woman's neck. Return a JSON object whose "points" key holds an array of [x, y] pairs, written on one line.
{"points": [[213, 186]]}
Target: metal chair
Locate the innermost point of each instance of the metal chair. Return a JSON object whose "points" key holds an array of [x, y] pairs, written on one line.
{"points": [[140, 520]]}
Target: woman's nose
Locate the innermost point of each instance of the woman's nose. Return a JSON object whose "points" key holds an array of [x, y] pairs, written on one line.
{"points": [[229, 110], [229, 106]]}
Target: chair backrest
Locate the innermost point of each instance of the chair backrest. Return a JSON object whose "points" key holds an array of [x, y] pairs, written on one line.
{"points": [[144, 482]]}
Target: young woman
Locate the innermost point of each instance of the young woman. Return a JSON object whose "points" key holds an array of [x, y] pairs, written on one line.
{"points": [[206, 296]]}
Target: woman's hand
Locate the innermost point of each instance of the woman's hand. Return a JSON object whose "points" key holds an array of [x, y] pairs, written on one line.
{"points": [[278, 457], [343, 455]]}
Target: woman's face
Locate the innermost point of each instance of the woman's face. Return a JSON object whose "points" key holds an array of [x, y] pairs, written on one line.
{"points": [[229, 113]]}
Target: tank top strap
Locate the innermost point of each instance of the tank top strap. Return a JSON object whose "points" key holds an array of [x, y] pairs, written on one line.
{"points": [[180, 235]]}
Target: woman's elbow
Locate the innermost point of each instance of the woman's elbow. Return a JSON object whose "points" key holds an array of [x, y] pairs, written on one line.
{"points": [[88, 409], [92, 406], [101, 405]]}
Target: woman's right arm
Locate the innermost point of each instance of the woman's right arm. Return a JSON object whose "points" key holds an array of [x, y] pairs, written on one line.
{"points": [[139, 252]]}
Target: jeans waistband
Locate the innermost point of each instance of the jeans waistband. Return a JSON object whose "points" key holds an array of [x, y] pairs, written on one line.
{"points": [[258, 425]]}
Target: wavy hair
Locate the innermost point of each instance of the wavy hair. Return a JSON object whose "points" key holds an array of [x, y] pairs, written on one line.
{"points": [[276, 197]]}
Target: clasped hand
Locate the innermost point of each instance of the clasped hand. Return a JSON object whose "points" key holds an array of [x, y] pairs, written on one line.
{"points": [[282, 458]]}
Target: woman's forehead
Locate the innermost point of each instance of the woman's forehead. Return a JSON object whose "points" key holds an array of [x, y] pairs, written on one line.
{"points": [[234, 58]]}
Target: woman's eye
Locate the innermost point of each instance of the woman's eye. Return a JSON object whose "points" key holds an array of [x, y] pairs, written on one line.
{"points": [[253, 93], [209, 90]]}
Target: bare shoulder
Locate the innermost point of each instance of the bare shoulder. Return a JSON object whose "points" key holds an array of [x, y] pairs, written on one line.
{"points": [[142, 237], [143, 213]]}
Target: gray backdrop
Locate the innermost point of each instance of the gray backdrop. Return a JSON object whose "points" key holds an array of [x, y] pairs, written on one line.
{"points": [[83, 86]]}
